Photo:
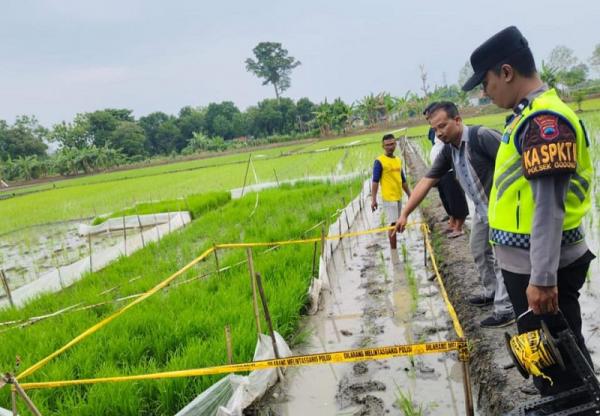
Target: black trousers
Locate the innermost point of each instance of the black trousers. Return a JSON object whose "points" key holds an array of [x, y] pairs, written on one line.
{"points": [[452, 196], [570, 279]]}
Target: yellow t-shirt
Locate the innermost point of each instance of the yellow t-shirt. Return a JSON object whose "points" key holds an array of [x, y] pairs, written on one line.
{"points": [[391, 178]]}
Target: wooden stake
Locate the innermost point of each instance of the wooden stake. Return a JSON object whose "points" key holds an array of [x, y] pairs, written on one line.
{"points": [[217, 260], [6, 288], [140, 225], [13, 396], [314, 261], [467, 386], [263, 298], [253, 284], [424, 248], [276, 178], [156, 226], [323, 240], [124, 236], [25, 398], [90, 249], [228, 343], [246, 175]]}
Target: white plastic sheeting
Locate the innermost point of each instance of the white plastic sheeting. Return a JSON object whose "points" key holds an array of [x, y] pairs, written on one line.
{"points": [[232, 394], [57, 279], [237, 192], [134, 222]]}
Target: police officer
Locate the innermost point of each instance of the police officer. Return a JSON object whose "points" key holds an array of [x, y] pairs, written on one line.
{"points": [[540, 193]]}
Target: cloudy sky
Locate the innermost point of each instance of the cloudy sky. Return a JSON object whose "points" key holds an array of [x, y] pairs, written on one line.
{"points": [[63, 57]]}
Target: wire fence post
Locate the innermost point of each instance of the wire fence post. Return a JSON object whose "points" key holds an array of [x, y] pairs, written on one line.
{"points": [[253, 285], [6, 288]]}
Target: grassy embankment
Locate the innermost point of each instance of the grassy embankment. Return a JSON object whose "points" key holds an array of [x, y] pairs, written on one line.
{"points": [[181, 327]]}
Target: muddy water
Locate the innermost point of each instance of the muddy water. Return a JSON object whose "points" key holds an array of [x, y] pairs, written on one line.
{"points": [[370, 304], [28, 254]]}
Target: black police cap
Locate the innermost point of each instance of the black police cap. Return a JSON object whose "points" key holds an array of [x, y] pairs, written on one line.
{"points": [[496, 49]]}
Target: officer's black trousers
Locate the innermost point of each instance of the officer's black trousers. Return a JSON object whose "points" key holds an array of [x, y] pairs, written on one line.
{"points": [[570, 280]]}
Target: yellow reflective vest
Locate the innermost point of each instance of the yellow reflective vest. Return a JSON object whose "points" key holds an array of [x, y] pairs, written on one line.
{"points": [[391, 178], [511, 205]]}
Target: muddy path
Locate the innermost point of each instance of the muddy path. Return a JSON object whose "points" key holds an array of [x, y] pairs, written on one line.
{"points": [[376, 298], [498, 386]]}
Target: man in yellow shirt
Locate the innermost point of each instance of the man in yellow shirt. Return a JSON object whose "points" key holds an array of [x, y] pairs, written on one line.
{"points": [[387, 171]]}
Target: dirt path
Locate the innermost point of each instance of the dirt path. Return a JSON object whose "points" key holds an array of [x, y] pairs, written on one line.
{"points": [[371, 304], [499, 387]]}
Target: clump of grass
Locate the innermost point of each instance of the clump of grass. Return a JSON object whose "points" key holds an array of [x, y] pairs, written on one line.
{"points": [[406, 404], [413, 285]]}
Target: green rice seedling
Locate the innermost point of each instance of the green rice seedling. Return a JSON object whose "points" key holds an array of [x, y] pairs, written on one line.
{"points": [[179, 328], [406, 404]]}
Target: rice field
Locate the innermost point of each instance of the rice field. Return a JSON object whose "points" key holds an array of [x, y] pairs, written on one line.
{"points": [[172, 330]]}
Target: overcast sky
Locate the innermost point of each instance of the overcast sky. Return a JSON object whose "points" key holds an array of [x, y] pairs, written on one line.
{"points": [[63, 57]]}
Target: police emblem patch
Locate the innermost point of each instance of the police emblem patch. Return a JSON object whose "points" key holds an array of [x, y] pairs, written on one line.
{"points": [[548, 125]]}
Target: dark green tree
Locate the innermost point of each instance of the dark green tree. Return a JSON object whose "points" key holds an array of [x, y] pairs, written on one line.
{"points": [[273, 65], [129, 138], [26, 137]]}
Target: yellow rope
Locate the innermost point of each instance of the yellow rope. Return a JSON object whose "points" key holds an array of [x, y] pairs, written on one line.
{"points": [[209, 251], [449, 306], [110, 318]]}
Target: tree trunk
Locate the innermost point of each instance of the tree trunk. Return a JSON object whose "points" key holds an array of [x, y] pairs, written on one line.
{"points": [[276, 92]]}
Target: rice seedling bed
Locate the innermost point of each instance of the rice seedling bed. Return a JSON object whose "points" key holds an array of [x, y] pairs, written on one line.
{"points": [[181, 327]]}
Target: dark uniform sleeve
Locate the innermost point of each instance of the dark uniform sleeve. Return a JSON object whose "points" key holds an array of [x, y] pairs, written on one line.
{"points": [[442, 164], [548, 146], [548, 149]]}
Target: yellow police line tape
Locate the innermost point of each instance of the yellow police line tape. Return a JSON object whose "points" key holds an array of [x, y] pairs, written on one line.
{"points": [[438, 276], [110, 318], [209, 251], [363, 354]]}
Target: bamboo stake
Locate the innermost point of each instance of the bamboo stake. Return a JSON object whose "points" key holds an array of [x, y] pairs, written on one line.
{"points": [[25, 398], [124, 236], [217, 260], [13, 396], [263, 298], [253, 284], [424, 246], [6, 288], [276, 178], [467, 387], [246, 175], [90, 249], [228, 343], [156, 226], [314, 260], [323, 240], [141, 229]]}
